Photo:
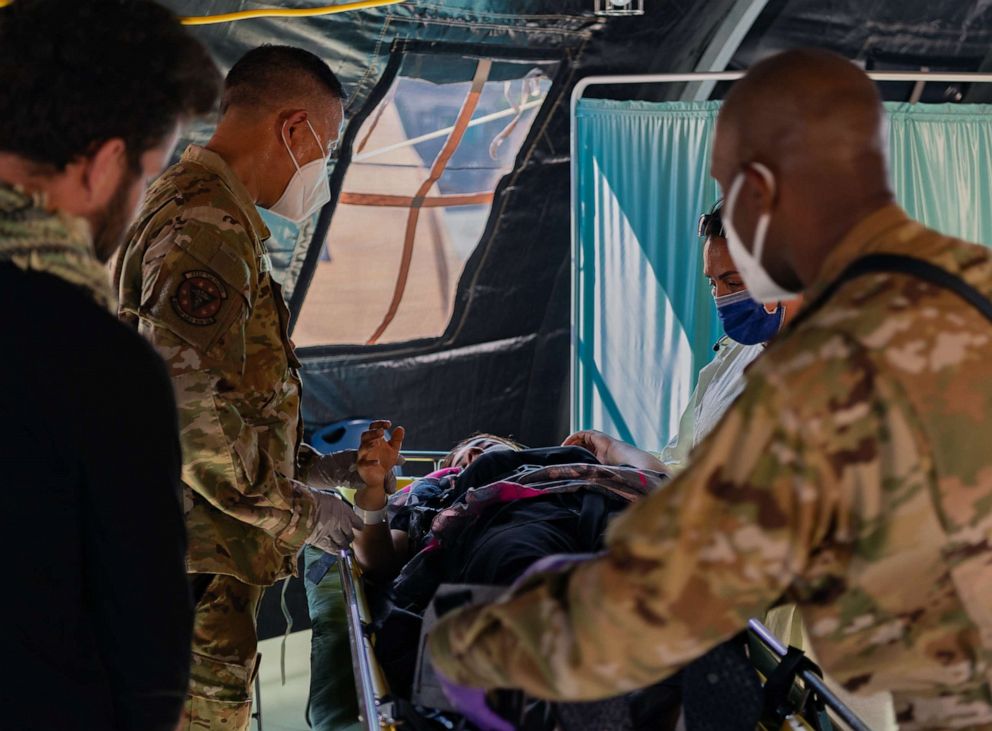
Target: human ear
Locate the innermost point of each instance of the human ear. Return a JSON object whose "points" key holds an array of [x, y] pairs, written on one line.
{"points": [[100, 173]]}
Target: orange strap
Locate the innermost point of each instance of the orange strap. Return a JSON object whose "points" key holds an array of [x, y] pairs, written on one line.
{"points": [[437, 170], [407, 201]]}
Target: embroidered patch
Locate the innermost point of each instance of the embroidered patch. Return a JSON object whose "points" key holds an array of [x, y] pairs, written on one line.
{"points": [[199, 297]]}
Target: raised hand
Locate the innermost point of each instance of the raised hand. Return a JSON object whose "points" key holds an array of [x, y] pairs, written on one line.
{"points": [[376, 455]]}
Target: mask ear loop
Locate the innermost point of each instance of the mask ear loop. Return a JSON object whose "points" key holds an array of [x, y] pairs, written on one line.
{"points": [[288, 148], [320, 143], [780, 310], [765, 220]]}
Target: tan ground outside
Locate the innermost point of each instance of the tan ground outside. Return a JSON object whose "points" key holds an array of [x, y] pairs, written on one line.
{"points": [[350, 294]]}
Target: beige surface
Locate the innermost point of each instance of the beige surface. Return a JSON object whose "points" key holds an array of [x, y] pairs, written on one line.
{"points": [[350, 294], [284, 706]]}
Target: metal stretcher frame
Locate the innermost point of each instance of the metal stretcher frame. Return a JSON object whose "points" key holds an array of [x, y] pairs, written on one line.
{"points": [[679, 78], [375, 712]]}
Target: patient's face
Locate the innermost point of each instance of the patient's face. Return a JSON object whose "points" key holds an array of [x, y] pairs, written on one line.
{"points": [[465, 454], [719, 269]]}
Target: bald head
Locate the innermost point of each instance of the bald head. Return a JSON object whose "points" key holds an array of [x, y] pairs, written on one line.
{"points": [[805, 106], [816, 122]]}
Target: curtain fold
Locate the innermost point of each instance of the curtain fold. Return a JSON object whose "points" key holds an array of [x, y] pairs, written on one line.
{"points": [[645, 321]]}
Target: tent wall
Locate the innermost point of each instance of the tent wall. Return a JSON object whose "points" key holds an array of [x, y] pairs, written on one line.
{"points": [[502, 364], [646, 321]]}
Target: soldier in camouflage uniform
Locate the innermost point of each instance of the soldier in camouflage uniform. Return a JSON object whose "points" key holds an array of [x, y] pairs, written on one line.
{"points": [[195, 280], [852, 476]]}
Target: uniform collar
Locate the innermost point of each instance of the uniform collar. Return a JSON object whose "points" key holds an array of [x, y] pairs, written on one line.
{"points": [[215, 163], [884, 230]]}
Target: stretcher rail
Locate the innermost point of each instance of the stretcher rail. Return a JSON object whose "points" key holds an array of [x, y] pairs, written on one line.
{"points": [[811, 679], [368, 703]]}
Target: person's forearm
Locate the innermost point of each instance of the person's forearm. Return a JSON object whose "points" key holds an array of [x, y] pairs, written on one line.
{"points": [[622, 453], [373, 544]]}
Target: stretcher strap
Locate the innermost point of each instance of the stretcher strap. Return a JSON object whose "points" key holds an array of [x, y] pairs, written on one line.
{"points": [[899, 264], [437, 170]]}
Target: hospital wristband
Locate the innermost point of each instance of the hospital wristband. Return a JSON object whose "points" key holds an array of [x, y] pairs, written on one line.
{"points": [[371, 517]]}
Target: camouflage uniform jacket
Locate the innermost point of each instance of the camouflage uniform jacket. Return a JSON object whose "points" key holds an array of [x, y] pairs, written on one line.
{"points": [[852, 476], [194, 279]]}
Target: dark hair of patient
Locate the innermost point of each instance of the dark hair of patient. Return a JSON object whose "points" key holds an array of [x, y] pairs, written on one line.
{"points": [[477, 444]]}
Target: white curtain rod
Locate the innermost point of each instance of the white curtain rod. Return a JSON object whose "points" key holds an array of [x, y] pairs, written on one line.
{"points": [[925, 76]]}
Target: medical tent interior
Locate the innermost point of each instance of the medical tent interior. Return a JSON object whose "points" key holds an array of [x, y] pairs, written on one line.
{"points": [[497, 256]]}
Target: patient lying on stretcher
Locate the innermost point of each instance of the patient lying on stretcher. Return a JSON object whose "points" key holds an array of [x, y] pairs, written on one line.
{"points": [[492, 510], [485, 518]]}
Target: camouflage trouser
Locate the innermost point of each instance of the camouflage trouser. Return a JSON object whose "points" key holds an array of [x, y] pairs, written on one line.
{"points": [[224, 654]]}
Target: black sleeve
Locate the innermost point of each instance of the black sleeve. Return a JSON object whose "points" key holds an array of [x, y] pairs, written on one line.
{"points": [[134, 537]]}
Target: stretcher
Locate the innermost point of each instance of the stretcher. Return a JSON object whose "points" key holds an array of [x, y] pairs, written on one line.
{"points": [[803, 700], [375, 705]]}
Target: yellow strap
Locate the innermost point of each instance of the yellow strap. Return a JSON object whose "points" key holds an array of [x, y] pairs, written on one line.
{"points": [[282, 12], [275, 12]]}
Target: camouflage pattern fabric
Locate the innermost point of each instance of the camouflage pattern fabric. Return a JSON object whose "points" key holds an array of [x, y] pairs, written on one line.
{"points": [[33, 238], [224, 659], [194, 279], [852, 476]]}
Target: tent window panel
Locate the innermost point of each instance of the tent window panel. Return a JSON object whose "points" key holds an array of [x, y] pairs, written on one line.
{"points": [[416, 198]]}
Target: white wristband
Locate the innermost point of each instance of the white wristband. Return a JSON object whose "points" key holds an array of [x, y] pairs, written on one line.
{"points": [[371, 517]]}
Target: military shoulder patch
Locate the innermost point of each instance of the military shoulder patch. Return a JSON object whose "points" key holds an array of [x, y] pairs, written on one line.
{"points": [[199, 297]]}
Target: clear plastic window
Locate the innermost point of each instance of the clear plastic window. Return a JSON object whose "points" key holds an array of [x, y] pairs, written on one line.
{"points": [[417, 196]]}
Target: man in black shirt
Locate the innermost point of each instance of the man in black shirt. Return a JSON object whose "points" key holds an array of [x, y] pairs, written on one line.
{"points": [[96, 614]]}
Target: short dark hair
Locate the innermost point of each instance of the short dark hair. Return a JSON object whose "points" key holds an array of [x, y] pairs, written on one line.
{"points": [[272, 72], [711, 224], [74, 75]]}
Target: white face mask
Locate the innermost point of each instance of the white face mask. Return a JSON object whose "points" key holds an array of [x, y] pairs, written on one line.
{"points": [[308, 190], [759, 282]]}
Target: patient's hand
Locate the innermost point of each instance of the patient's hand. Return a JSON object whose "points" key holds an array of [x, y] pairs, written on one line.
{"points": [[601, 445], [614, 452], [376, 455]]}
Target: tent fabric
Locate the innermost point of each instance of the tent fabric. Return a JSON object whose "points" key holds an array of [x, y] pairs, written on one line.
{"points": [[358, 45], [645, 320]]}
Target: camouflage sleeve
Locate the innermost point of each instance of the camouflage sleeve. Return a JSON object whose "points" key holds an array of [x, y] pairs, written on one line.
{"points": [[199, 287], [337, 469], [222, 462], [685, 568]]}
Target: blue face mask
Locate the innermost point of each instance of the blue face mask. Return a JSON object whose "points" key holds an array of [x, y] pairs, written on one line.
{"points": [[747, 321]]}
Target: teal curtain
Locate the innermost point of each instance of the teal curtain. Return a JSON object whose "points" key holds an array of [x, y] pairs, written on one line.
{"points": [[940, 158], [645, 323]]}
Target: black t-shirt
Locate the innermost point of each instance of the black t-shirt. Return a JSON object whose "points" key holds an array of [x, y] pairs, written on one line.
{"points": [[96, 614]]}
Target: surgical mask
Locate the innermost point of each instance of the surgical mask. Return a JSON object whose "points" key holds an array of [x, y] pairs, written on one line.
{"points": [[759, 282], [308, 190], [747, 321]]}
